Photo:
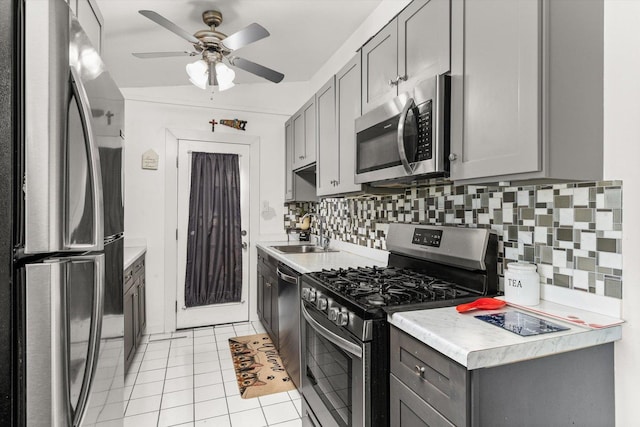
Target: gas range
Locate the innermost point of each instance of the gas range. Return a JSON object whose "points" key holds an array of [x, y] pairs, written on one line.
{"points": [[372, 287], [344, 314]]}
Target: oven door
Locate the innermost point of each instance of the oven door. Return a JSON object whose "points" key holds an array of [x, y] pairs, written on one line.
{"points": [[335, 366]]}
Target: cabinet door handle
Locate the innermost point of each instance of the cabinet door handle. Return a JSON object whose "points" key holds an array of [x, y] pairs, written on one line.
{"points": [[268, 284], [397, 80], [420, 371]]}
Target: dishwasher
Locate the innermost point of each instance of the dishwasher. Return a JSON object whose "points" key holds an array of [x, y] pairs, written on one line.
{"points": [[289, 320]]}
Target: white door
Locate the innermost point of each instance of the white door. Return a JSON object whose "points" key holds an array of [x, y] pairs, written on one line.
{"points": [[217, 313]]}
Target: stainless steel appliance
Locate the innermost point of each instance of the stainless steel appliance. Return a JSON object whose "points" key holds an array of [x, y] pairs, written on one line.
{"points": [[289, 321], [345, 337], [407, 137], [67, 230]]}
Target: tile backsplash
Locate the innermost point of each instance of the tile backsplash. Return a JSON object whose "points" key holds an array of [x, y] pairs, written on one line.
{"points": [[572, 231]]}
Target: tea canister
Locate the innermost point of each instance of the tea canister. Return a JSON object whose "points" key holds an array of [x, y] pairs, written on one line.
{"points": [[522, 284]]}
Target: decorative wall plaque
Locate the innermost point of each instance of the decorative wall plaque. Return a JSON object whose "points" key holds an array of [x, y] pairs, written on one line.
{"points": [[150, 160]]}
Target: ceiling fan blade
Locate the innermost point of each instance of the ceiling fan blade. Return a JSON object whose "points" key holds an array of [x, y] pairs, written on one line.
{"points": [[164, 22], [257, 69], [249, 34], [148, 55]]}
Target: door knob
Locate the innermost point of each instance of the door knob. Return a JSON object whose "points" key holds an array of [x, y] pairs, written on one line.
{"points": [[453, 157], [243, 233], [244, 245]]}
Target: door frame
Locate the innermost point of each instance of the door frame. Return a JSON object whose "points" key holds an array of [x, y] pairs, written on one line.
{"points": [[172, 136]]}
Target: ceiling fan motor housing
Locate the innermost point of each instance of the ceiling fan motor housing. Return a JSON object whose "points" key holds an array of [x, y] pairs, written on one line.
{"points": [[212, 18]]}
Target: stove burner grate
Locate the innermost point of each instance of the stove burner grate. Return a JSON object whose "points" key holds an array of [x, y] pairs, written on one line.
{"points": [[376, 286]]}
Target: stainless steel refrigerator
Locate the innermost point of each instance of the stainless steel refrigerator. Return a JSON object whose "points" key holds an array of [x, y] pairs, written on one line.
{"points": [[66, 280]]}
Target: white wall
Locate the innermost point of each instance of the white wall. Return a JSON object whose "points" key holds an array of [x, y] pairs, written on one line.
{"points": [[621, 160], [145, 128]]}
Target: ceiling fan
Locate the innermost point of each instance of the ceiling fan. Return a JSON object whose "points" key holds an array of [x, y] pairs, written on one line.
{"points": [[214, 46]]}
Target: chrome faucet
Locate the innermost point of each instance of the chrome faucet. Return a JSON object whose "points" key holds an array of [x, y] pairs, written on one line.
{"points": [[323, 240]]}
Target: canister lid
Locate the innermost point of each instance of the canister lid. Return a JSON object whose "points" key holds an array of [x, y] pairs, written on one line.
{"points": [[522, 266]]}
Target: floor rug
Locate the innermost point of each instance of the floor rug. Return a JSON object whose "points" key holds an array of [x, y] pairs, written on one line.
{"points": [[258, 367]]}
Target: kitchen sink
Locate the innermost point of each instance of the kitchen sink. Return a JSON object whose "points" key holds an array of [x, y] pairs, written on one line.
{"points": [[302, 249]]}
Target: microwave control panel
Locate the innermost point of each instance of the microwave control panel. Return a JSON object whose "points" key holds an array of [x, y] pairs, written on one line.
{"points": [[424, 121]]}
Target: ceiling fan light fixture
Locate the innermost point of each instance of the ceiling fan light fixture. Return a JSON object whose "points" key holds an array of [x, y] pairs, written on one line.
{"points": [[197, 72], [225, 76]]}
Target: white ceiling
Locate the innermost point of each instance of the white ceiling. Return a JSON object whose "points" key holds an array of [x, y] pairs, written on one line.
{"points": [[304, 34]]}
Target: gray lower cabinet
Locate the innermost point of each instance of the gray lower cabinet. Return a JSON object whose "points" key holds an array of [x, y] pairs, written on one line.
{"points": [[565, 389], [526, 90], [438, 381], [134, 300], [268, 294]]}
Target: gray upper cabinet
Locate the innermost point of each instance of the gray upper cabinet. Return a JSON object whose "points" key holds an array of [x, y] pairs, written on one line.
{"points": [[338, 104], [412, 46], [495, 88], [298, 186], [288, 156], [380, 67], [304, 135], [526, 90], [423, 41], [91, 20], [348, 91], [327, 167]]}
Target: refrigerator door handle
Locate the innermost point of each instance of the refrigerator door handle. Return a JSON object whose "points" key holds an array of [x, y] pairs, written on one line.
{"points": [[94, 338], [94, 166], [47, 345]]}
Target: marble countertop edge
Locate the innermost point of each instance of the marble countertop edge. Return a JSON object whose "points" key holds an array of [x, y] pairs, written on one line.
{"points": [[475, 345], [131, 253], [310, 262]]}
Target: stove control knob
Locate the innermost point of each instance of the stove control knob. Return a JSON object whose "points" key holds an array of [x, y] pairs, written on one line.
{"points": [[343, 318], [305, 293], [333, 314], [312, 295], [321, 304]]}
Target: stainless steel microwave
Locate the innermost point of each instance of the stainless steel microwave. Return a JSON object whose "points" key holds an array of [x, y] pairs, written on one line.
{"points": [[407, 137]]}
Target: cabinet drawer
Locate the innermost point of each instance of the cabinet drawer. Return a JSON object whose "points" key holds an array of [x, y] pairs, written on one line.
{"points": [[129, 278], [408, 410], [138, 265], [438, 380]]}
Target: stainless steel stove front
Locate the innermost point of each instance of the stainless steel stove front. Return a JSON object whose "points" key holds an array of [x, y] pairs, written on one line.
{"points": [[335, 372]]}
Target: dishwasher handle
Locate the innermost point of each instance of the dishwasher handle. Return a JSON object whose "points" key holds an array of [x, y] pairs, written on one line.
{"points": [[286, 277]]}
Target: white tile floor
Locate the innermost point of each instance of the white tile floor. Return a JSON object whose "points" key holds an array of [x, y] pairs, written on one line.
{"points": [[187, 379]]}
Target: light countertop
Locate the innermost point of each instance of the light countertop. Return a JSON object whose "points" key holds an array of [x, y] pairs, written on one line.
{"points": [[131, 253], [309, 262], [476, 344]]}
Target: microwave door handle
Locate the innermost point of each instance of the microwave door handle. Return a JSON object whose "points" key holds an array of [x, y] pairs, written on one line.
{"points": [[401, 150], [94, 339], [94, 166]]}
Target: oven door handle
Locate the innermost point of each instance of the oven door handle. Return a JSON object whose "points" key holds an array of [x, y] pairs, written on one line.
{"points": [[344, 344]]}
